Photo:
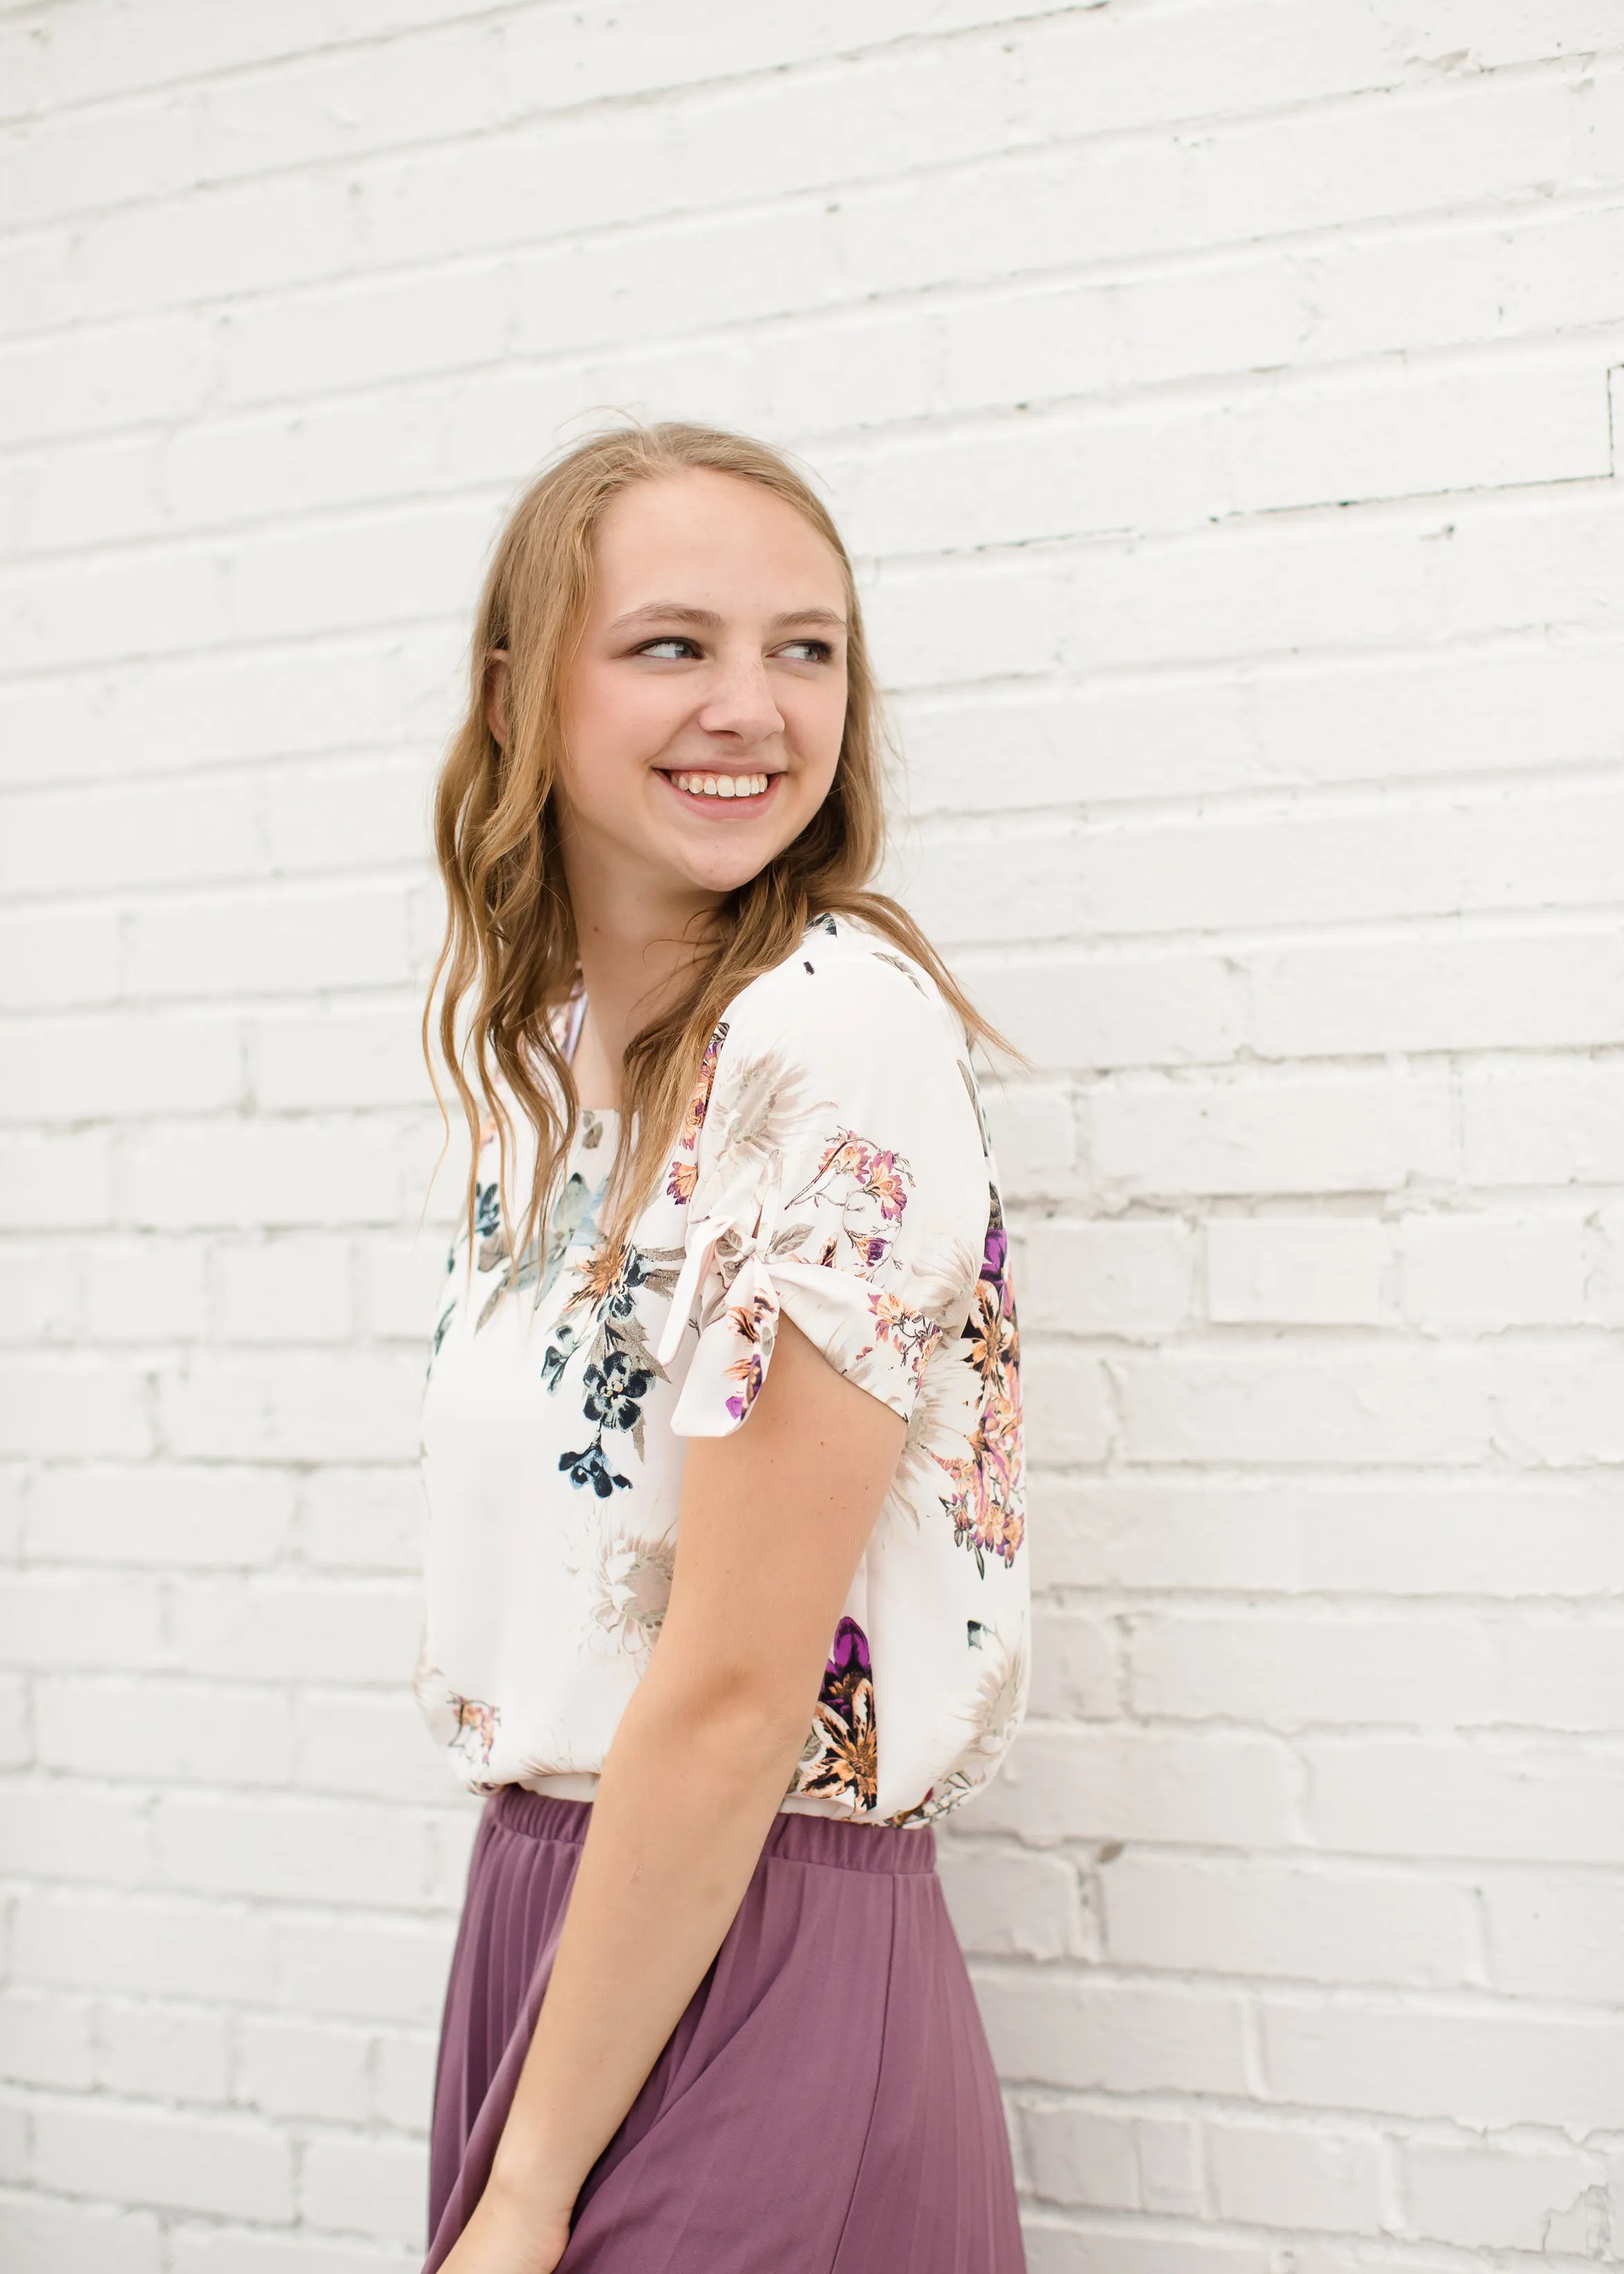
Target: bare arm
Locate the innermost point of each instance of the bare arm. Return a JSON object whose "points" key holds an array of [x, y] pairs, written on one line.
{"points": [[774, 1521]]}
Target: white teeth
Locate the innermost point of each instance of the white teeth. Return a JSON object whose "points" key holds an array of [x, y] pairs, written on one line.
{"points": [[721, 785]]}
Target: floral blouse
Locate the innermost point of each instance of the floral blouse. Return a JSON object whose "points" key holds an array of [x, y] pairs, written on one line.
{"points": [[834, 1166]]}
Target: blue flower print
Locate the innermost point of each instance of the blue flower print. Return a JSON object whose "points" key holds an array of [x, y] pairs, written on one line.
{"points": [[591, 1468]]}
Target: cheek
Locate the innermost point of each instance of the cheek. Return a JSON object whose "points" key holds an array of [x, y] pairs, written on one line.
{"points": [[817, 722], [619, 718]]}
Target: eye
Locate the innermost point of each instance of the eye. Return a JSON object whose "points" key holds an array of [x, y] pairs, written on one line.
{"points": [[670, 647], [808, 651]]}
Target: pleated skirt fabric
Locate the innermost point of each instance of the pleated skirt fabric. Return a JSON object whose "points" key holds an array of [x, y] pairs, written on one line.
{"points": [[827, 2104]]}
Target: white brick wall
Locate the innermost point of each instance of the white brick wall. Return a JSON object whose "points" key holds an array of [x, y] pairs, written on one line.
{"points": [[1218, 394]]}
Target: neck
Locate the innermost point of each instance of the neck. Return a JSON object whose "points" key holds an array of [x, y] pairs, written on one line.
{"points": [[637, 943]]}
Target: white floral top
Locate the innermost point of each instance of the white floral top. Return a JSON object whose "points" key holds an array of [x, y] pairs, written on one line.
{"points": [[834, 1166]]}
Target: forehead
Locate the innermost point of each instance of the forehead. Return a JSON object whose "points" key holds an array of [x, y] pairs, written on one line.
{"points": [[713, 540]]}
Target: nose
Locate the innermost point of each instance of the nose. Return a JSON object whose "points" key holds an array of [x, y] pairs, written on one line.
{"points": [[740, 702]]}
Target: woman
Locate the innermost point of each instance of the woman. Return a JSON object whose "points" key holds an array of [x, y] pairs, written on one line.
{"points": [[706, 2009]]}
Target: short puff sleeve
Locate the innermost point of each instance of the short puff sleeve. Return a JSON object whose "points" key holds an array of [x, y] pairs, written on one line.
{"points": [[839, 1176]]}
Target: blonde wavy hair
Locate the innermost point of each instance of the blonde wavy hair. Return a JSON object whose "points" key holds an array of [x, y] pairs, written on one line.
{"points": [[509, 962]]}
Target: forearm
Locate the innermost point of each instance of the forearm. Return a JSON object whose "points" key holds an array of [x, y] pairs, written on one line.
{"points": [[684, 1804]]}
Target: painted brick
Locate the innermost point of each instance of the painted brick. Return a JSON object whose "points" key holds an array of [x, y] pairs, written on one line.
{"points": [[148, 2153], [278, 1174], [1261, 1134], [1477, 1273], [164, 2053], [381, 1969], [170, 1947], [190, 1731], [317, 1061], [39, 1296], [49, 1408], [285, 1290], [1081, 2155], [57, 1619], [1129, 1279], [43, 2235], [1008, 1902], [1487, 2069], [217, 2249], [1552, 1935], [1120, 2036], [300, 1406], [1405, 1535], [47, 2040], [1075, 1664], [152, 1290], [1274, 1918], [404, 2078], [160, 1513], [370, 2184], [47, 1182], [1296, 1271], [1515, 1798], [1222, 407], [1520, 2197], [287, 2066], [363, 1519], [1296, 2178], [280, 1627], [252, 1846], [1134, 1782]]}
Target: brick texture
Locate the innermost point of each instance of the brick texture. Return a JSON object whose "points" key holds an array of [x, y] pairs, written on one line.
{"points": [[1222, 399]]}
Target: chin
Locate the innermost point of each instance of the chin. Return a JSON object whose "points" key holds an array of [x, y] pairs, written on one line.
{"points": [[729, 867]]}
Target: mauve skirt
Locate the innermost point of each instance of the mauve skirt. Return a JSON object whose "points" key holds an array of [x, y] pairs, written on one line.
{"points": [[827, 2104]]}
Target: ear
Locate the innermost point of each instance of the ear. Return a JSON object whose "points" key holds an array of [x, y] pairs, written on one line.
{"points": [[496, 694]]}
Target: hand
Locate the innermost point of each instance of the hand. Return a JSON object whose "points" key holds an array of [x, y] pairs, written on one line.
{"points": [[508, 2236]]}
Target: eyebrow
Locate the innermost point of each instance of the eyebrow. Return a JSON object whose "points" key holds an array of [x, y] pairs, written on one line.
{"points": [[677, 612]]}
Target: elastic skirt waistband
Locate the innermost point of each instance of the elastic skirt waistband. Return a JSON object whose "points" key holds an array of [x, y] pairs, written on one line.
{"points": [[824, 1840]]}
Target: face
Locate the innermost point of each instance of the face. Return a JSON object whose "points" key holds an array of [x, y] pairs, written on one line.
{"points": [[705, 709]]}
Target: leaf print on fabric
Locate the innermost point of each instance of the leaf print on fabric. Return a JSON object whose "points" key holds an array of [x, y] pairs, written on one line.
{"points": [[699, 1103], [840, 1760], [862, 1189], [559, 1353], [488, 1229], [542, 1261], [466, 1727], [943, 1418], [909, 1333], [754, 1119], [680, 1175], [900, 963], [748, 1321], [992, 1714], [620, 1365], [987, 1500], [974, 1087], [476, 1724]]}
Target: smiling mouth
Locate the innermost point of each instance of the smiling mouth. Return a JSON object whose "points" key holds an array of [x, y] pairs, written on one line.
{"points": [[719, 791]]}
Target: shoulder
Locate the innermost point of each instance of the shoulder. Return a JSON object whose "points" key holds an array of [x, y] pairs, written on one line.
{"points": [[846, 1062], [845, 988]]}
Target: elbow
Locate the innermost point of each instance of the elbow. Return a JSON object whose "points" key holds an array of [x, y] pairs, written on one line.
{"points": [[749, 1716]]}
